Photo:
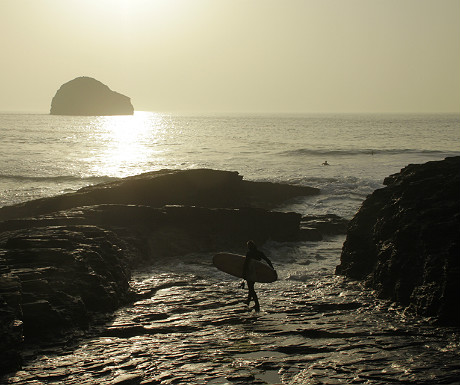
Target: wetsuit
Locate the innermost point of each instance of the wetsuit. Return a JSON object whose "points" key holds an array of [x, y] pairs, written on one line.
{"points": [[257, 255]]}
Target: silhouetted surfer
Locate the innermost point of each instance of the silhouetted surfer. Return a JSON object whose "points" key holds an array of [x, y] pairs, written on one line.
{"points": [[325, 163], [253, 254]]}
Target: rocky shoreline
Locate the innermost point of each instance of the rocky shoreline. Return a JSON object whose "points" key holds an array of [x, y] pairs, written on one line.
{"points": [[404, 242], [67, 258], [188, 325]]}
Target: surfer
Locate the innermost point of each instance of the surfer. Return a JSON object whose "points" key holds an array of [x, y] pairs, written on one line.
{"points": [[325, 163], [253, 254]]}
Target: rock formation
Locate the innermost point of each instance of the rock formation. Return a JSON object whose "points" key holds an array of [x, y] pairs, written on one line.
{"points": [[67, 258], [199, 187], [88, 96], [404, 241]]}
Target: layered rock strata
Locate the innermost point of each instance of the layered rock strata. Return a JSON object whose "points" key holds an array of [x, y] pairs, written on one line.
{"points": [[199, 187], [65, 259], [53, 278], [405, 240]]}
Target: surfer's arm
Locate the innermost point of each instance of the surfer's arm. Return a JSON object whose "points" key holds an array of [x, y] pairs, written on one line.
{"points": [[265, 258]]}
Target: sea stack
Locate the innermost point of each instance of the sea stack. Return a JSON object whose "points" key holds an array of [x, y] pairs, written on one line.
{"points": [[88, 97]]}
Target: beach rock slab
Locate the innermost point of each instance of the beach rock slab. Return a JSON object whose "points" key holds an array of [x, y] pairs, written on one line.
{"points": [[197, 187]]}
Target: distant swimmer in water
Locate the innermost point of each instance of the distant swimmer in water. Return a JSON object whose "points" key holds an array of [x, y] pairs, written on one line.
{"points": [[325, 163]]}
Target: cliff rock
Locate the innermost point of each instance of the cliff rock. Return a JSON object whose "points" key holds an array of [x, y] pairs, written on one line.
{"points": [[88, 96], [404, 240]]}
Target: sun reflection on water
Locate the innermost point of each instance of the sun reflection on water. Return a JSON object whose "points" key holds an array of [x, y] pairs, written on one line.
{"points": [[127, 143]]}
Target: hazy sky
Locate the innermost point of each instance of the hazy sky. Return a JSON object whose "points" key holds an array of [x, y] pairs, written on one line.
{"points": [[236, 55]]}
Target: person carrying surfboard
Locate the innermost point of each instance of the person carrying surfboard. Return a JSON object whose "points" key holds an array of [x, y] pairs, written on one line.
{"points": [[253, 254]]}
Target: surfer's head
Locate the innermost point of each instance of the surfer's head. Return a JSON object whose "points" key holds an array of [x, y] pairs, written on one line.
{"points": [[251, 245]]}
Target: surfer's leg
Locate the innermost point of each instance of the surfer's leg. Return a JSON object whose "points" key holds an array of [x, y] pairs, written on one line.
{"points": [[248, 300], [256, 300], [253, 295], [250, 292]]}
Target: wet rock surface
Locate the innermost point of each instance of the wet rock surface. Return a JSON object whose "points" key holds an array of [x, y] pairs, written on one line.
{"points": [[11, 331], [314, 227], [405, 240], [53, 278], [70, 259], [190, 326]]}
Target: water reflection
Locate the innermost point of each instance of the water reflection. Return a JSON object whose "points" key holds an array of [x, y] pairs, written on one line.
{"points": [[127, 143], [196, 330]]}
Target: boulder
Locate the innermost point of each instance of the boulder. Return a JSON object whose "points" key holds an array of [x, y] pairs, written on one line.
{"points": [[88, 96], [62, 274], [404, 240]]}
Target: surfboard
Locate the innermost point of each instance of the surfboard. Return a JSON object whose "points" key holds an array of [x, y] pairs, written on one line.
{"points": [[233, 264]]}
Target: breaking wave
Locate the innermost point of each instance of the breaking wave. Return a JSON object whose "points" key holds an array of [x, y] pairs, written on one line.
{"points": [[57, 179], [365, 151]]}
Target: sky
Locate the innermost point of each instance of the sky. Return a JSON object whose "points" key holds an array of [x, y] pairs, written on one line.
{"points": [[236, 56]]}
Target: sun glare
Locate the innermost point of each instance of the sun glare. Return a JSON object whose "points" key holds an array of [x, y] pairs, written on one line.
{"points": [[152, 7], [129, 143]]}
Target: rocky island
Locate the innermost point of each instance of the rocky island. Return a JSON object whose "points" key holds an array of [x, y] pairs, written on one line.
{"points": [[86, 96]]}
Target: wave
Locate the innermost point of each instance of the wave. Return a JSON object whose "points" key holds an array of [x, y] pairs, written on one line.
{"points": [[58, 179], [343, 181], [365, 151]]}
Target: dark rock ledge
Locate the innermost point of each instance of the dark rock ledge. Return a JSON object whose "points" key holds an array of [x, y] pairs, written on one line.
{"points": [[404, 240], [67, 258]]}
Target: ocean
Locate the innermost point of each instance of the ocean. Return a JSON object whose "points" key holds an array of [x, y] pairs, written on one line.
{"points": [[43, 155], [314, 327]]}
